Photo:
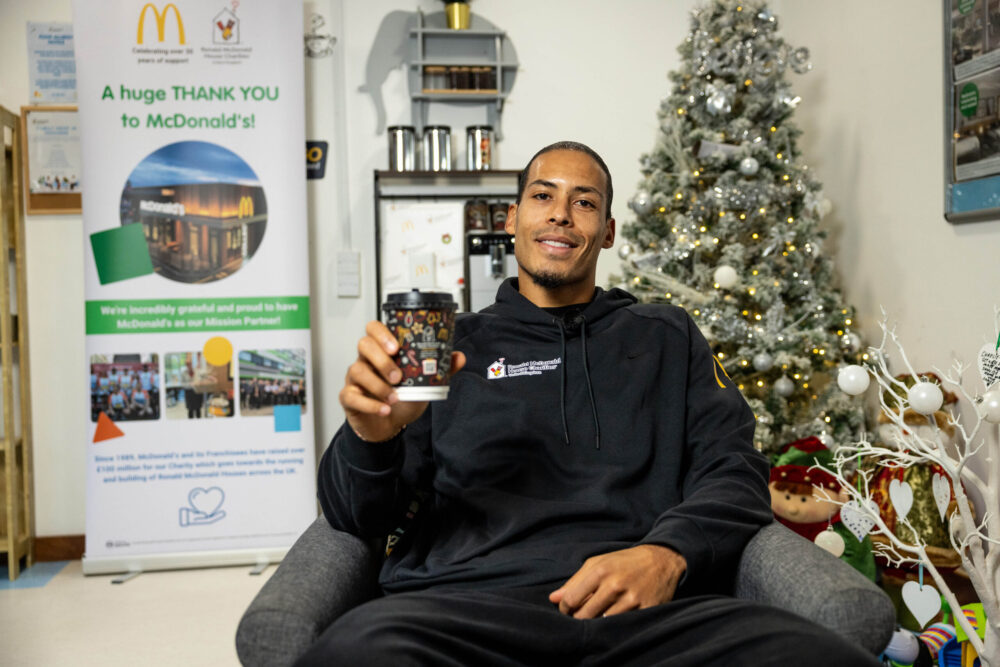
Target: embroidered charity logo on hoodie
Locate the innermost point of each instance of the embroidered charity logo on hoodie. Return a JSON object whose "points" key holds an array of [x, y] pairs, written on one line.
{"points": [[498, 369]]}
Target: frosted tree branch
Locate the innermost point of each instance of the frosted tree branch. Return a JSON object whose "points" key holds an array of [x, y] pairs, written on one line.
{"points": [[977, 543]]}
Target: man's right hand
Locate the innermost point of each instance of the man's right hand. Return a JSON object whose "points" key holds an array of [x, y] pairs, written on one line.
{"points": [[369, 396]]}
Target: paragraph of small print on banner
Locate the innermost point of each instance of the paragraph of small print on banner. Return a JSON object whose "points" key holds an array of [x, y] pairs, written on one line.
{"points": [[200, 430]]}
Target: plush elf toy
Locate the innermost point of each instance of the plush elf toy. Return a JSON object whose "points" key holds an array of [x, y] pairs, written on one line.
{"points": [[802, 499]]}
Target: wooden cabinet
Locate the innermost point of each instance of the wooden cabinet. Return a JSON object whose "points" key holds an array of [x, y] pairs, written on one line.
{"points": [[17, 521]]}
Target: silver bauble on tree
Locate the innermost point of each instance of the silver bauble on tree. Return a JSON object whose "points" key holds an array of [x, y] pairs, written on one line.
{"points": [[641, 202], [625, 250], [784, 387], [749, 166], [763, 362]]}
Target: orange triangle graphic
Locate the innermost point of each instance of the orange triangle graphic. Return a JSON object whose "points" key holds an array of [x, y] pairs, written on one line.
{"points": [[106, 429]]}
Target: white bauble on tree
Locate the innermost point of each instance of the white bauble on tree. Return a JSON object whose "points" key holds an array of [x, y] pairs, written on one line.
{"points": [[762, 361], [749, 166], [925, 397], [625, 250], [990, 407], [853, 380], [784, 387], [726, 277]]}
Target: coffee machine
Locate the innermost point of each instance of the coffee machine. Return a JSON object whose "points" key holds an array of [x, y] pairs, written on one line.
{"points": [[489, 261]]}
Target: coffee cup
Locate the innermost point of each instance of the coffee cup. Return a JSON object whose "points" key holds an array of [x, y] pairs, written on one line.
{"points": [[424, 326]]}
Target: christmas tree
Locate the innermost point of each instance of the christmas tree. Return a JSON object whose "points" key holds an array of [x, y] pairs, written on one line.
{"points": [[728, 227]]}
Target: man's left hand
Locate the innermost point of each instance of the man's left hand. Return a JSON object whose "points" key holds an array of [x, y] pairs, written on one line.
{"points": [[635, 578]]}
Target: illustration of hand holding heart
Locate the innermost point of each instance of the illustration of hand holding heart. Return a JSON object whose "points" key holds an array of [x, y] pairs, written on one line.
{"points": [[204, 507]]}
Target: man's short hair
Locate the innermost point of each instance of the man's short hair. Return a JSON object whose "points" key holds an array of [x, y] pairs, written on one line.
{"points": [[522, 178]]}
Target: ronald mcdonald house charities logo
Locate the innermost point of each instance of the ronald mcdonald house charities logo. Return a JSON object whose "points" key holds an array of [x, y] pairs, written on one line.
{"points": [[160, 37], [498, 369]]}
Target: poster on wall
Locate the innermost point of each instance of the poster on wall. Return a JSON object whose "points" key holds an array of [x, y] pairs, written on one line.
{"points": [[200, 440], [51, 66], [972, 96]]}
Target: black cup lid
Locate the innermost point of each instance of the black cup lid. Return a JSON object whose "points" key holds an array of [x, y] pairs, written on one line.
{"points": [[417, 299]]}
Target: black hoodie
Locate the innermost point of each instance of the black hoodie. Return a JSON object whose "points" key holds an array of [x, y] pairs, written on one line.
{"points": [[560, 441]]}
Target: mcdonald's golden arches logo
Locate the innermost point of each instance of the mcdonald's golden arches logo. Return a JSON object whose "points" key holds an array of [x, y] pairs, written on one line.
{"points": [[422, 270], [161, 20], [246, 207]]}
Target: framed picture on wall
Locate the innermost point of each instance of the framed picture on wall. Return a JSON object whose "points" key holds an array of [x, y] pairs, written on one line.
{"points": [[51, 149]]}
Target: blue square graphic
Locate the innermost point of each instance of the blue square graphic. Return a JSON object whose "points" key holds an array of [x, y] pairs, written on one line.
{"points": [[287, 418]]}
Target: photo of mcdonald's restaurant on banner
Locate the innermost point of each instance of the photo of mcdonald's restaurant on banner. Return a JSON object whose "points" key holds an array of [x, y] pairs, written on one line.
{"points": [[270, 378], [202, 209]]}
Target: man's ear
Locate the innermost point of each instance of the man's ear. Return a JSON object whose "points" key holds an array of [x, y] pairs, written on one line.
{"points": [[609, 238], [511, 223]]}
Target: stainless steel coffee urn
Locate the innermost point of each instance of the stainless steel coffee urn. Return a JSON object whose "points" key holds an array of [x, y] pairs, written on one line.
{"points": [[479, 147], [435, 152], [402, 148]]}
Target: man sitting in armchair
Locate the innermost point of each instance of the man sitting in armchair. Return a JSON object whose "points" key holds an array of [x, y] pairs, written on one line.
{"points": [[595, 510]]}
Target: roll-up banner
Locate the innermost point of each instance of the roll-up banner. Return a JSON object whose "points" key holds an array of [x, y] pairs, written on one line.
{"points": [[200, 429]]}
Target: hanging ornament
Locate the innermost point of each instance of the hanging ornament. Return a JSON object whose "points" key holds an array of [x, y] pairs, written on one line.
{"points": [[989, 365], [763, 362], [826, 439], [852, 342], [923, 600], [799, 60], [829, 540], [765, 15], [901, 496], [990, 407], [749, 166], [925, 397], [856, 521], [625, 250], [942, 493], [788, 100], [784, 387], [853, 380], [726, 276], [720, 100], [641, 202]]}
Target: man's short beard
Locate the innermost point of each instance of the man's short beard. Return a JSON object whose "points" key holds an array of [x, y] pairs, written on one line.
{"points": [[546, 280]]}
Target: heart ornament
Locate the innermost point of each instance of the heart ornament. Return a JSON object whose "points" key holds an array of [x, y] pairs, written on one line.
{"points": [[924, 602], [989, 365], [942, 493], [206, 501], [901, 495], [859, 523]]}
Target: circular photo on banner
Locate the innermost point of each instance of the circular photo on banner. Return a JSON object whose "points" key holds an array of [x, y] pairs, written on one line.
{"points": [[201, 207]]}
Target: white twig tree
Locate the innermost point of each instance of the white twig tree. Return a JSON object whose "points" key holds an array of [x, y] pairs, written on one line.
{"points": [[977, 543]]}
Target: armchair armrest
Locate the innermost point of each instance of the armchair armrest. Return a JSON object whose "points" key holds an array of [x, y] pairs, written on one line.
{"points": [[325, 573], [782, 569]]}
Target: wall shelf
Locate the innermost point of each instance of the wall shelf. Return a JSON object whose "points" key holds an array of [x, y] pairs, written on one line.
{"points": [[482, 45]]}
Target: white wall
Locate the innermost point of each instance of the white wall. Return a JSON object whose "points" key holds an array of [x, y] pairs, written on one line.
{"points": [[595, 72]]}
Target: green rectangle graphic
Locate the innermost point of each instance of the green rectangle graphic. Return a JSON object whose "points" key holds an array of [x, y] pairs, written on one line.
{"points": [[184, 315]]}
